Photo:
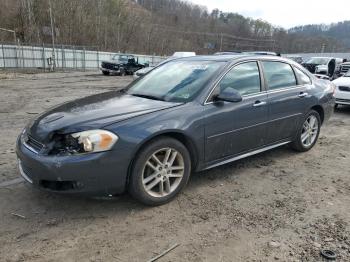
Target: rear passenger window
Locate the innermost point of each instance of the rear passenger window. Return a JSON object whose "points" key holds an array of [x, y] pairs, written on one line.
{"points": [[245, 78], [304, 79], [279, 75]]}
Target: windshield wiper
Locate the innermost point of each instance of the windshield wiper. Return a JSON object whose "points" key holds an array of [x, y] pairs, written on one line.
{"points": [[148, 96]]}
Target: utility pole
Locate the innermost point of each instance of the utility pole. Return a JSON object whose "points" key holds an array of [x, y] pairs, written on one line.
{"points": [[53, 38], [221, 39]]}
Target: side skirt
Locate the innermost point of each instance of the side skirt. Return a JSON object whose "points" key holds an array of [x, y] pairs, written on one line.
{"points": [[246, 155]]}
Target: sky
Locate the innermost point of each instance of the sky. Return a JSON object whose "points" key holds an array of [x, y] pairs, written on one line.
{"points": [[288, 13]]}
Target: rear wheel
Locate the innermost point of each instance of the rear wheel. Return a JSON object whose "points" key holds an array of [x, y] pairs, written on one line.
{"points": [[161, 170], [308, 132], [106, 73]]}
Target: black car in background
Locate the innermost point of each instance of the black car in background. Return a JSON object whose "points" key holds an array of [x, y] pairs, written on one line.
{"points": [[121, 65], [323, 65]]}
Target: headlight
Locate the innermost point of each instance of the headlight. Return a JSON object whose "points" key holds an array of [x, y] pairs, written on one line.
{"points": [[95, 140]]}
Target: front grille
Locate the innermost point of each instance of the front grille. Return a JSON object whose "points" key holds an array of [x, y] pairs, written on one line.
{"points": [[342, 100], [344, 88], [344, 68], [109, 66], [36, 145]]}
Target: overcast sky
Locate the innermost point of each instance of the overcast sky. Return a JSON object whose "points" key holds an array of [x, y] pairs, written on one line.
{"points": [[288, 13]]}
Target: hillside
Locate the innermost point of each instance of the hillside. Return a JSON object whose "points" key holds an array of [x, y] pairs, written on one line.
{"points": [[152, 27], [340, 31]]}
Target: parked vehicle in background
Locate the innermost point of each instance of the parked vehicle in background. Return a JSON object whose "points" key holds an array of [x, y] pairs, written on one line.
{"points": [[228, 53], [342, 92], [323, 65], [297, 59], [186, 115], [121, 64], [261, 53], [344, 68], [176, 55], [247, 53]]}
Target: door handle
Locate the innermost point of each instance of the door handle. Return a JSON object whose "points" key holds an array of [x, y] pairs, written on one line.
{"points": [[259, 103], [303, 94]]}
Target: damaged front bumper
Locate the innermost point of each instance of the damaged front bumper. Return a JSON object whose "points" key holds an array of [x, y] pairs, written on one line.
{"points": [[98, 174]]}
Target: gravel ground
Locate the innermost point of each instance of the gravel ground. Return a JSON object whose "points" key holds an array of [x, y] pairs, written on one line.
{"points": [[276, 206]]}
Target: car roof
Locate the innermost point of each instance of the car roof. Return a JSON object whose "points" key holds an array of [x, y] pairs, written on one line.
{"points": [[229, 58]]}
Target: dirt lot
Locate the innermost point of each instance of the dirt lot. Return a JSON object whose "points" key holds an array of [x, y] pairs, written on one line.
{"points": [[278, 205]]}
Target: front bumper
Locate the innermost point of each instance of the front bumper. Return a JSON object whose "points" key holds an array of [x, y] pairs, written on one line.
{"points": [[342, 97], [103, 173], [113, 71]]}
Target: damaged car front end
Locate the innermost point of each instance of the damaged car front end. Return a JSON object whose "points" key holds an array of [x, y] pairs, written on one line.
{"points": [[73, 149]]}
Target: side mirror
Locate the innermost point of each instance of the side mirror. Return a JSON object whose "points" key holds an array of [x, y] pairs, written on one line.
{"points": [[229, 95]]}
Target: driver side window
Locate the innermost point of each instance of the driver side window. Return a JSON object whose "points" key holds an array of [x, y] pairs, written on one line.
{"points": [[245, 78]]}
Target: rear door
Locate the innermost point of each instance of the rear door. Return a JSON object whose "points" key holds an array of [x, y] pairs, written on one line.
{"points": [[234, 128], [286, 100]]}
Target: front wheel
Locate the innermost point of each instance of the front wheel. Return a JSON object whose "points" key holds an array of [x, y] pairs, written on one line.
{"points": [[160, 171], [308, 132], [106, 73]]}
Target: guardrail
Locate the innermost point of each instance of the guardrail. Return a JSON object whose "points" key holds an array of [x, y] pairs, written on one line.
{"points": [[66, 57]]}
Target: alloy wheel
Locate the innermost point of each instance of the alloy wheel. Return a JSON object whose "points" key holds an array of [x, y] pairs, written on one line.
{"points": [[163, 171], [310, 131]]}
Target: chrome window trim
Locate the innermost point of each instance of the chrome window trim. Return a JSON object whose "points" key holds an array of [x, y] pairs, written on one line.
{"points": [[283, 89], [227, 71]]}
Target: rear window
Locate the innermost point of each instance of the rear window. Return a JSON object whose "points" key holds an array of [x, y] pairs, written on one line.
{"points": [[279, 75], [304, 79]]}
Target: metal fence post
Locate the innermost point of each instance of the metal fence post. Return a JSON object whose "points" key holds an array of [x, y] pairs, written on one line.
{"points": [[3, 55], [33, 58], [98, 59], [84, 59], [23, 57], [74, 58], [43, 57], [63, 58], [16, 58]]}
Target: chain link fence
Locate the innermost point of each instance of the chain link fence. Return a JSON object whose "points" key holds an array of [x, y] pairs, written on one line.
{"points": [[62, 57]]}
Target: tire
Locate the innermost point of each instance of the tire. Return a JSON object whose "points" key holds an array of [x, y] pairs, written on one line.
{"points": [[148, 178], [300, 143], [336, 106], [122, 73], [106, 73]]}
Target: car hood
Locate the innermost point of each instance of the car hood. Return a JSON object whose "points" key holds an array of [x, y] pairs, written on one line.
{"points": [[92, 112], [342, 81], [114, 62]]}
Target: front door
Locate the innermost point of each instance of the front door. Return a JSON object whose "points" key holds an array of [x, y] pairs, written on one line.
{"points": [[232, 128]]}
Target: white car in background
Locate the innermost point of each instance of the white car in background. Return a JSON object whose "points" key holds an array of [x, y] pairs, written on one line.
{"points": [[145, 70], [342, 92]]}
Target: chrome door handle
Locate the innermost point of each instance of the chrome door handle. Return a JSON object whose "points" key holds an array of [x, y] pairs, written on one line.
{"points": [[259, 103], [303, 94]]}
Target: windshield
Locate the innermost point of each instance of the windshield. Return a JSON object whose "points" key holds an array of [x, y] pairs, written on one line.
{"points": [[121, 58], [177, 81], [318, 60]]}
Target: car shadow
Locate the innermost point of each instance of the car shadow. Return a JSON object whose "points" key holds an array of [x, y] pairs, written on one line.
{"points": [[342, 109], [82, 207]]}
